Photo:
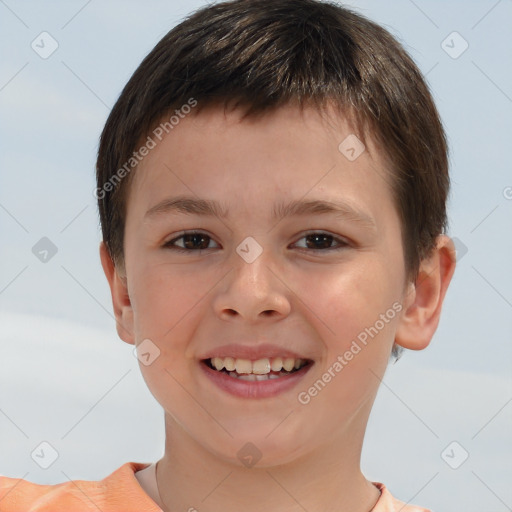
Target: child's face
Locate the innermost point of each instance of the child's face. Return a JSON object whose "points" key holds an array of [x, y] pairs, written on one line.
{"points": [[312, 302]]}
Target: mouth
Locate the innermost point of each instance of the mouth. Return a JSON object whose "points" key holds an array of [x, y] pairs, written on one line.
{"points": [[260, 378], [268, 368]]}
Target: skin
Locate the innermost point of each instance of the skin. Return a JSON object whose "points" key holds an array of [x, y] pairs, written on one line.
{"points": [[315, 301]]}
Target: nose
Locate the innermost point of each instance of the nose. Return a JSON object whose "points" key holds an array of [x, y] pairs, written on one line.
{"points": [[253, 291]]}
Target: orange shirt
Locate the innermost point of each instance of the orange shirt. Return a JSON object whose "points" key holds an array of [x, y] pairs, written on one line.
{"points": [[118, 492]]}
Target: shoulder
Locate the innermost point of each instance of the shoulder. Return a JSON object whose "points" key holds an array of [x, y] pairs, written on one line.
{"points": [[387, 503], [119, 490]]}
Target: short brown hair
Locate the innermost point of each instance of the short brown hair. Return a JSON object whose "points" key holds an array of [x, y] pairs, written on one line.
{"points": [[263, 54]]}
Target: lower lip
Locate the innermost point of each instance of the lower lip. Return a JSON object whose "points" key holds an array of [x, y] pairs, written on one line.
{"points": [[254, 389]]}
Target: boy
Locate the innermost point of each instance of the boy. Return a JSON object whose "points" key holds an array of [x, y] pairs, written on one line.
{"points": [[272, 188]]}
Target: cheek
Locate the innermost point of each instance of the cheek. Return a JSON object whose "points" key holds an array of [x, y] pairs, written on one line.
{"points": [[346, 301], [357, 316], [167, 312], [169, 308], [165, 298]]}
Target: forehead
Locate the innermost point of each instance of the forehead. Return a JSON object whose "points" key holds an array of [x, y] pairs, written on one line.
{"points": [[286, 152]]}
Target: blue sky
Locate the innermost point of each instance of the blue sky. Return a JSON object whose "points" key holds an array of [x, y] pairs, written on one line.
{"points": [[66, 378]]}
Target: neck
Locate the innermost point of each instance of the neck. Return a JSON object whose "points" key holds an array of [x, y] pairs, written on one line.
{"points": [[190, 477]]}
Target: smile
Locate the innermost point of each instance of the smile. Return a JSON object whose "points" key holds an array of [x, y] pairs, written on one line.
{"points": [[259, 370], [260, 378]]}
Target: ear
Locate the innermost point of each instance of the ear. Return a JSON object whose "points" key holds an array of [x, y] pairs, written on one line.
{"points": [[120, 299], [423, 299]]}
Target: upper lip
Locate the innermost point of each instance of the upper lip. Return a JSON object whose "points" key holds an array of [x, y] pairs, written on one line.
{"points": [[253, 352]]}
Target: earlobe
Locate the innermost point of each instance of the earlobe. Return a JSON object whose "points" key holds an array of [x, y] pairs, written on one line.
{"points": [[123, 311], [424, 298]]}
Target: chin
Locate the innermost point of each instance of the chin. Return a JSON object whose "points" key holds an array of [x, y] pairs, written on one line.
{"points": [[263, 449]]}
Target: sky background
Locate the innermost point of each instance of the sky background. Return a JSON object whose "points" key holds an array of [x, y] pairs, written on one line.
{"points": [[68, 380]]}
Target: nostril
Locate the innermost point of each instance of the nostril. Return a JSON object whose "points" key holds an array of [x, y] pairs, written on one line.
{"points": [[230, 312]]}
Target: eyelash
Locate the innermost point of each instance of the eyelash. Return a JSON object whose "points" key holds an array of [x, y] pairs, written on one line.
{"points": [[170, 244]]}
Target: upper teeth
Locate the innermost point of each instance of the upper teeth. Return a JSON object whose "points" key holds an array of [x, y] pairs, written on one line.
{"points": [[259, 367]]}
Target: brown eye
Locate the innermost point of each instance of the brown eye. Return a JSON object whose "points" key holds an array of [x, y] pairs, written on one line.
{"points": [[319, 241], [190, 242], [322, 241]]}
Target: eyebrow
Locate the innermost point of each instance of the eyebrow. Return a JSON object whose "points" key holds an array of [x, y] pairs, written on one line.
{"points": [[210, 208]]}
